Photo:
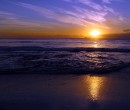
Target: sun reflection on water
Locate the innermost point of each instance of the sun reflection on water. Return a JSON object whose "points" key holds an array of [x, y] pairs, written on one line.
{"points": [[95, 84], [95, 45]]}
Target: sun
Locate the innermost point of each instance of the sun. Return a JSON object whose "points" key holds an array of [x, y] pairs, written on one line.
{"points": [[95, 33]]}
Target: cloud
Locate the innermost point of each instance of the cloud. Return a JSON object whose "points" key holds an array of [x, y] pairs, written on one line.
{"points": [[126, 30], [11, 20], [110, 1], [77, 16], [6, 15], [89, 3], [95, 15], [59, 15], [99, 11], [40, 10]]}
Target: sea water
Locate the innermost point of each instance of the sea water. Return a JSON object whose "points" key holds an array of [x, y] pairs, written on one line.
{"points": [[64, 74], [63, 56]]}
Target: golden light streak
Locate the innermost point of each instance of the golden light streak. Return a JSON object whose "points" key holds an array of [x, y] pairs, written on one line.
{"points": [[95, 86]]}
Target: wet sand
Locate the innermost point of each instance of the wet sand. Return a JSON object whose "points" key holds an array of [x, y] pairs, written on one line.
{"points": [[65, 92]]}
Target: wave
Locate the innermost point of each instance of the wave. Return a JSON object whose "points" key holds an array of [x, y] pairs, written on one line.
{"points": [[75, 49], [40, 69], [65, 61]]}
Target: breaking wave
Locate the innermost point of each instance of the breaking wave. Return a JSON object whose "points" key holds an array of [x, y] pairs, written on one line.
{"points": [[40, 60], [78, 49]]}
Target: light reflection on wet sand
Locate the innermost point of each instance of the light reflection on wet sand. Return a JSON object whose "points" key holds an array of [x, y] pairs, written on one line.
{"points": [[95, 85], [64, 92]]}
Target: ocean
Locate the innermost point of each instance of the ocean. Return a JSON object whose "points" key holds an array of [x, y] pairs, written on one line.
{"points": [[63, 56], [64, 74]]}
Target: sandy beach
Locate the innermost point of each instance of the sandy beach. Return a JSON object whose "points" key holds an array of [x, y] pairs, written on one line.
{"points": [[65, 92]]}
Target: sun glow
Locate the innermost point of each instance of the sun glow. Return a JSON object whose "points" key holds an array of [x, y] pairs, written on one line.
{"points": [[95, 33]]}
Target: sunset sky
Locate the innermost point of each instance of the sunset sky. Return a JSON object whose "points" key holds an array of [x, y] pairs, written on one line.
{"points": [[63, 17]]}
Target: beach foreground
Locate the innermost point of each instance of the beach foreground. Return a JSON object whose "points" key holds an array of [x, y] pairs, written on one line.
{"points": [[64, 74], [65, 92]]}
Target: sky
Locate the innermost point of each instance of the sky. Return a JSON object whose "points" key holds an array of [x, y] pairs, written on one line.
{"points": [[63, 17]]}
